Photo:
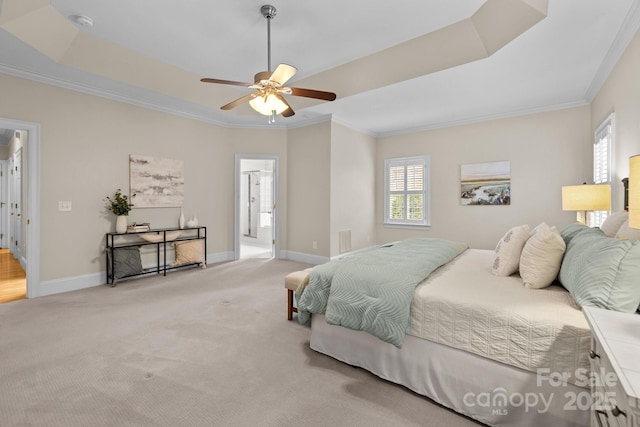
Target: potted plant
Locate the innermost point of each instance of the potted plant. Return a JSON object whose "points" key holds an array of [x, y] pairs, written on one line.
{"points": [[119, 204]]}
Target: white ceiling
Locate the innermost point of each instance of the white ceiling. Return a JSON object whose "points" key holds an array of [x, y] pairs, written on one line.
{"points": [[560, 61]]}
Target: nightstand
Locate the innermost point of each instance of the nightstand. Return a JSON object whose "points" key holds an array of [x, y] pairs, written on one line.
{"points": [[615, 367]]}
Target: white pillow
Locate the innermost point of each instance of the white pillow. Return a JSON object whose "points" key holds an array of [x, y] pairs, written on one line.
{"points": [[627, 233], [508, 251], [541, 257], [612, 224]]}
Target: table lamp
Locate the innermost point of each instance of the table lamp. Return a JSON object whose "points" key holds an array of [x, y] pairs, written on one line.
{"points": [[634, 191], [586, 197]]}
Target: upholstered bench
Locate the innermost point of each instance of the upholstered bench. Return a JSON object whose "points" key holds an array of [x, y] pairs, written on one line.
{"points": [[291, 283]]}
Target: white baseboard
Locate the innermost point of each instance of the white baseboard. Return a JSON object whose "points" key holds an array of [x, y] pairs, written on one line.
{"points": [[220, 257], [58, 286], [347, 254], [302, 257]]}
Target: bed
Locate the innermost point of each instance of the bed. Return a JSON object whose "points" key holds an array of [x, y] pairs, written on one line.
{"points": [[489, 347]]}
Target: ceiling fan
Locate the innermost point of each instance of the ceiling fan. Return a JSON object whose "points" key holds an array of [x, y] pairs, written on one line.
{"points": [[269, 87]]}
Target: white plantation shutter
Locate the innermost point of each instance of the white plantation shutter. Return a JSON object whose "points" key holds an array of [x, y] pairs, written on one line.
{"points": [[406, 191], [602, 149]]}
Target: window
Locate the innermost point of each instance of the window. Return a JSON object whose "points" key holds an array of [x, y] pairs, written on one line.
{"points": [[407, 191], [602, 147]]}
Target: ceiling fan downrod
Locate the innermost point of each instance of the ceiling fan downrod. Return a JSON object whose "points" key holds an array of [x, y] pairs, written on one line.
{"points": [[269, 12]]}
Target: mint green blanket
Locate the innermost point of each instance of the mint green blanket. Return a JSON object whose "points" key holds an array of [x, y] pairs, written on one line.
{"points": [[372, 291]]}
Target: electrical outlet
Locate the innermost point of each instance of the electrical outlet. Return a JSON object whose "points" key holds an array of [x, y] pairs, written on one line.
{"points": [[315, 245], [64, 206]]}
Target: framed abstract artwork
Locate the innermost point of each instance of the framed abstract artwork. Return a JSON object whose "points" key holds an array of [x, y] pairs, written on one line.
{"points": [[485, 183], [156, 182]]}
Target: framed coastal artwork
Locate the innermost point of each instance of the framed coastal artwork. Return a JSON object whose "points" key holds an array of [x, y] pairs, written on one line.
{"points": [[156, 182], [485, 183]]}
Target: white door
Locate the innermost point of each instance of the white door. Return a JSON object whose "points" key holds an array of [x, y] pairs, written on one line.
{"points": [[11, 189], [15, 205]]}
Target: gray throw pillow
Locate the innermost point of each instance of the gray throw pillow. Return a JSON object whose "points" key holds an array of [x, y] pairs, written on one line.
{"points": [[126, 261]]}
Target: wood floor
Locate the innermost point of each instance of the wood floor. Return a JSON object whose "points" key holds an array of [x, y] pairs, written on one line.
{"points": [[13, 280]]}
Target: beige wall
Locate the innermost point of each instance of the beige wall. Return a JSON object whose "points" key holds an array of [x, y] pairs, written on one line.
{"points": [[621, 94], [85, 147], [352, 190], [546, 151], [308, 192]]}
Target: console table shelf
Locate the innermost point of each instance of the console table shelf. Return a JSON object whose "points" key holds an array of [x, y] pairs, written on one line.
{"points": [[123, 251]]}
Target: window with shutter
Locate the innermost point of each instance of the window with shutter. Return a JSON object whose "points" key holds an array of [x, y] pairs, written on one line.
{"points": [[602, 158], [406, 191]]}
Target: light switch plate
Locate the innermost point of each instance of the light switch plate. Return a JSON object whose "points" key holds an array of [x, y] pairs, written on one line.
{"points": [[64, 206]]}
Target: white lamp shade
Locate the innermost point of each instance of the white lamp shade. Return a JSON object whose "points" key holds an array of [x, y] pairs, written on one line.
{"points": [[266, 105], [634, 191], [596, 197]]}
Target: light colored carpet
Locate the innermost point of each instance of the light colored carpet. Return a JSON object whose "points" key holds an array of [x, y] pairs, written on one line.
{"points": [[196, 348]]}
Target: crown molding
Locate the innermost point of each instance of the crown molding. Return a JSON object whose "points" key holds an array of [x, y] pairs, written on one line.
{"points": [[29, 75], [628, 30], [91, 90], [484, 118]]}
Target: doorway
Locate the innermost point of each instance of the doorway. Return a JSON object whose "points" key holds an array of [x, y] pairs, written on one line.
{"points": [[255, 221], [23, 228]]}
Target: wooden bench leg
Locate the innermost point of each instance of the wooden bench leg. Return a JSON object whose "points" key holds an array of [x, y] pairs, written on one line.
{"points": [[289, 304], [290, 308]]}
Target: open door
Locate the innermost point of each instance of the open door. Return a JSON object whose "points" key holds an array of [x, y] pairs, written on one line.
{"points": [[256, 223], [15, 207]]}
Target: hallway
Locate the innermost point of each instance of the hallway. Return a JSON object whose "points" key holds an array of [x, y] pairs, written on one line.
{"points": [[13, 280]]}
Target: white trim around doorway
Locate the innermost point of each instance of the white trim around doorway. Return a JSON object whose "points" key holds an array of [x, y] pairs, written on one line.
{"points": [[32, 201], [236, 221]]}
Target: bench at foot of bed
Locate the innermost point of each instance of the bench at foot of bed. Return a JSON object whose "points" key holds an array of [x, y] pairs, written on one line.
{"points": [[291, 283]]}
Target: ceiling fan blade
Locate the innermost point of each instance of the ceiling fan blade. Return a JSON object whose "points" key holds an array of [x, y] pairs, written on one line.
{"points": [[310, 93], [283, 73], [239, 101], [225, 82], [289, 111]]}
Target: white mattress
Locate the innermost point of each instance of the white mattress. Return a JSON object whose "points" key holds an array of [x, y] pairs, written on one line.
{"points": [[465, 306]]}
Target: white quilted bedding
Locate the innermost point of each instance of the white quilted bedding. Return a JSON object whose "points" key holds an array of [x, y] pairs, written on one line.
{"points": [[463, 305]]}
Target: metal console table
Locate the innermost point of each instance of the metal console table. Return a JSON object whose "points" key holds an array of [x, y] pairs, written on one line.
{"points": [[159, 238]]}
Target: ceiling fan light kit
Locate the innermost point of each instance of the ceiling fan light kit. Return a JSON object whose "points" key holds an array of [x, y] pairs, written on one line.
{"points": [[269, 87]]}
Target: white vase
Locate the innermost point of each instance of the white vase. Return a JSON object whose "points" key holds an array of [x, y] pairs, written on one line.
{"points": [[194, 220], [121, 224], [181, 219]]}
